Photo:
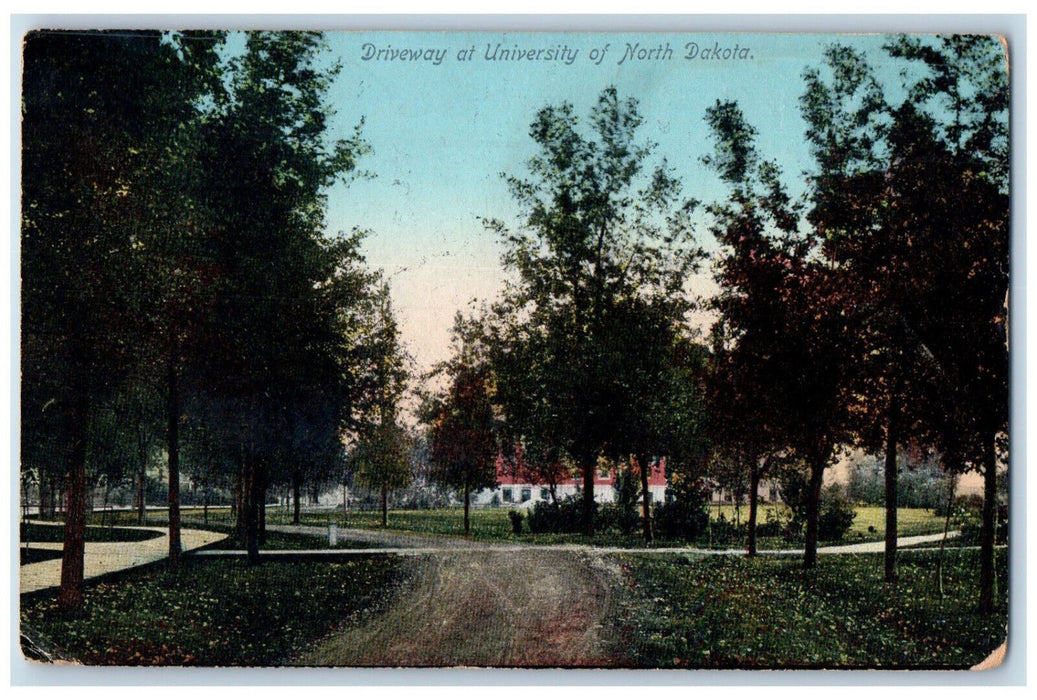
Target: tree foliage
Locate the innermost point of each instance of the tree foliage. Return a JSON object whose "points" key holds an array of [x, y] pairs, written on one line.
{"points": [[462, 432], [603, 237]]}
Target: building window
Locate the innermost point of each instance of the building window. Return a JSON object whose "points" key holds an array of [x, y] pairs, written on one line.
{"points": [[507, 496], [545, 494], [526, 495]]}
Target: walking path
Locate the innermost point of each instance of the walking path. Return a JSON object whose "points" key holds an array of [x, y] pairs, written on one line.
{"points": [[404, 544], [102, 558]]}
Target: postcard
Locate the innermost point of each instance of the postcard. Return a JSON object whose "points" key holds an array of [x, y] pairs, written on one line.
{"points": [[502, 349]]}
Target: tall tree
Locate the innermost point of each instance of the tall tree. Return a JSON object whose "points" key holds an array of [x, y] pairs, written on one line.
{"points": [[957, 161], [272, 335], [888, 198], [461, 428], [849, 121], [381, 456], [598, 227], [762, 247], [100, 111]]}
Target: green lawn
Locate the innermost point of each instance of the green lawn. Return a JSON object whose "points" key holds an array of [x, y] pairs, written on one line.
{"points": [[292, 542], [910, 522], [492, 524], [153, 516], [35, 532], [487, 524], [733, 612], [218, 612]]}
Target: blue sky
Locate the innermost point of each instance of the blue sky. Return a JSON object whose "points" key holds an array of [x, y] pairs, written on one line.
{"points": [[443, 134]]}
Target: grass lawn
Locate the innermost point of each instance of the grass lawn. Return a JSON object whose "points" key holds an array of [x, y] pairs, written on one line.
{"points": [[294, 542], [910, 522], [152, 517], [492, 524], [733, 612], [34, 532], [218, 612], [487, 524], [870, 523]]}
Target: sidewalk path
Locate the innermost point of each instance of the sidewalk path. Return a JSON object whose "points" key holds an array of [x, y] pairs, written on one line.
{"points": [[415, 545], [107, 557]]}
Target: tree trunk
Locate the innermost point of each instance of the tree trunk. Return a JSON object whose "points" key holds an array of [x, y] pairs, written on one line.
{"points": [[262, 516], [385, 504], [70, 594], [43, 496], [241, 502], [892, 436], [205, 504], [173, 445], [946, 528], [296, 487], [646, 496], [252, 510], [141, 481], [466, 500], [589, 470], [986, 545], [345, 499], [817, 471], [142, 458], [754, 487]]}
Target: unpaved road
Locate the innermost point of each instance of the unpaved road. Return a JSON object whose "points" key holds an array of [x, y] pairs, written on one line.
{"points": [[482, 607], [487, 604]]}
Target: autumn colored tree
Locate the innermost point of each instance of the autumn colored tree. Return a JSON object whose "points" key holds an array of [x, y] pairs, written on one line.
{"points": [[462, 435], [900, 193], [758, 230], [953, 149]]}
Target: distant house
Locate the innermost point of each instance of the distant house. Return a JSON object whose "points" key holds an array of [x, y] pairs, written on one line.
{"points": [[517, 491]]}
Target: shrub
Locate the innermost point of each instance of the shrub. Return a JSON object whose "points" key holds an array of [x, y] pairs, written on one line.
{"points": [[969, 521], [725, 532], [683, 515], [835, 516], [772, 526], [623, 513], [516, 521], [564, 516], [835, 512], [918, 485]]}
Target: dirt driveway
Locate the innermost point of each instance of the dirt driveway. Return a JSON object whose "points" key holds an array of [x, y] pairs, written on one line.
{"points": [[481, 607]]}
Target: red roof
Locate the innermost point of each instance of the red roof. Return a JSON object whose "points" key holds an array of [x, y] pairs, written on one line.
{"points": [[508, 475]]}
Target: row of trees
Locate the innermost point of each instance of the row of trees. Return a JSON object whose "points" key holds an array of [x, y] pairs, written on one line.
{"points": [[871, 312], [180, 292]]}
